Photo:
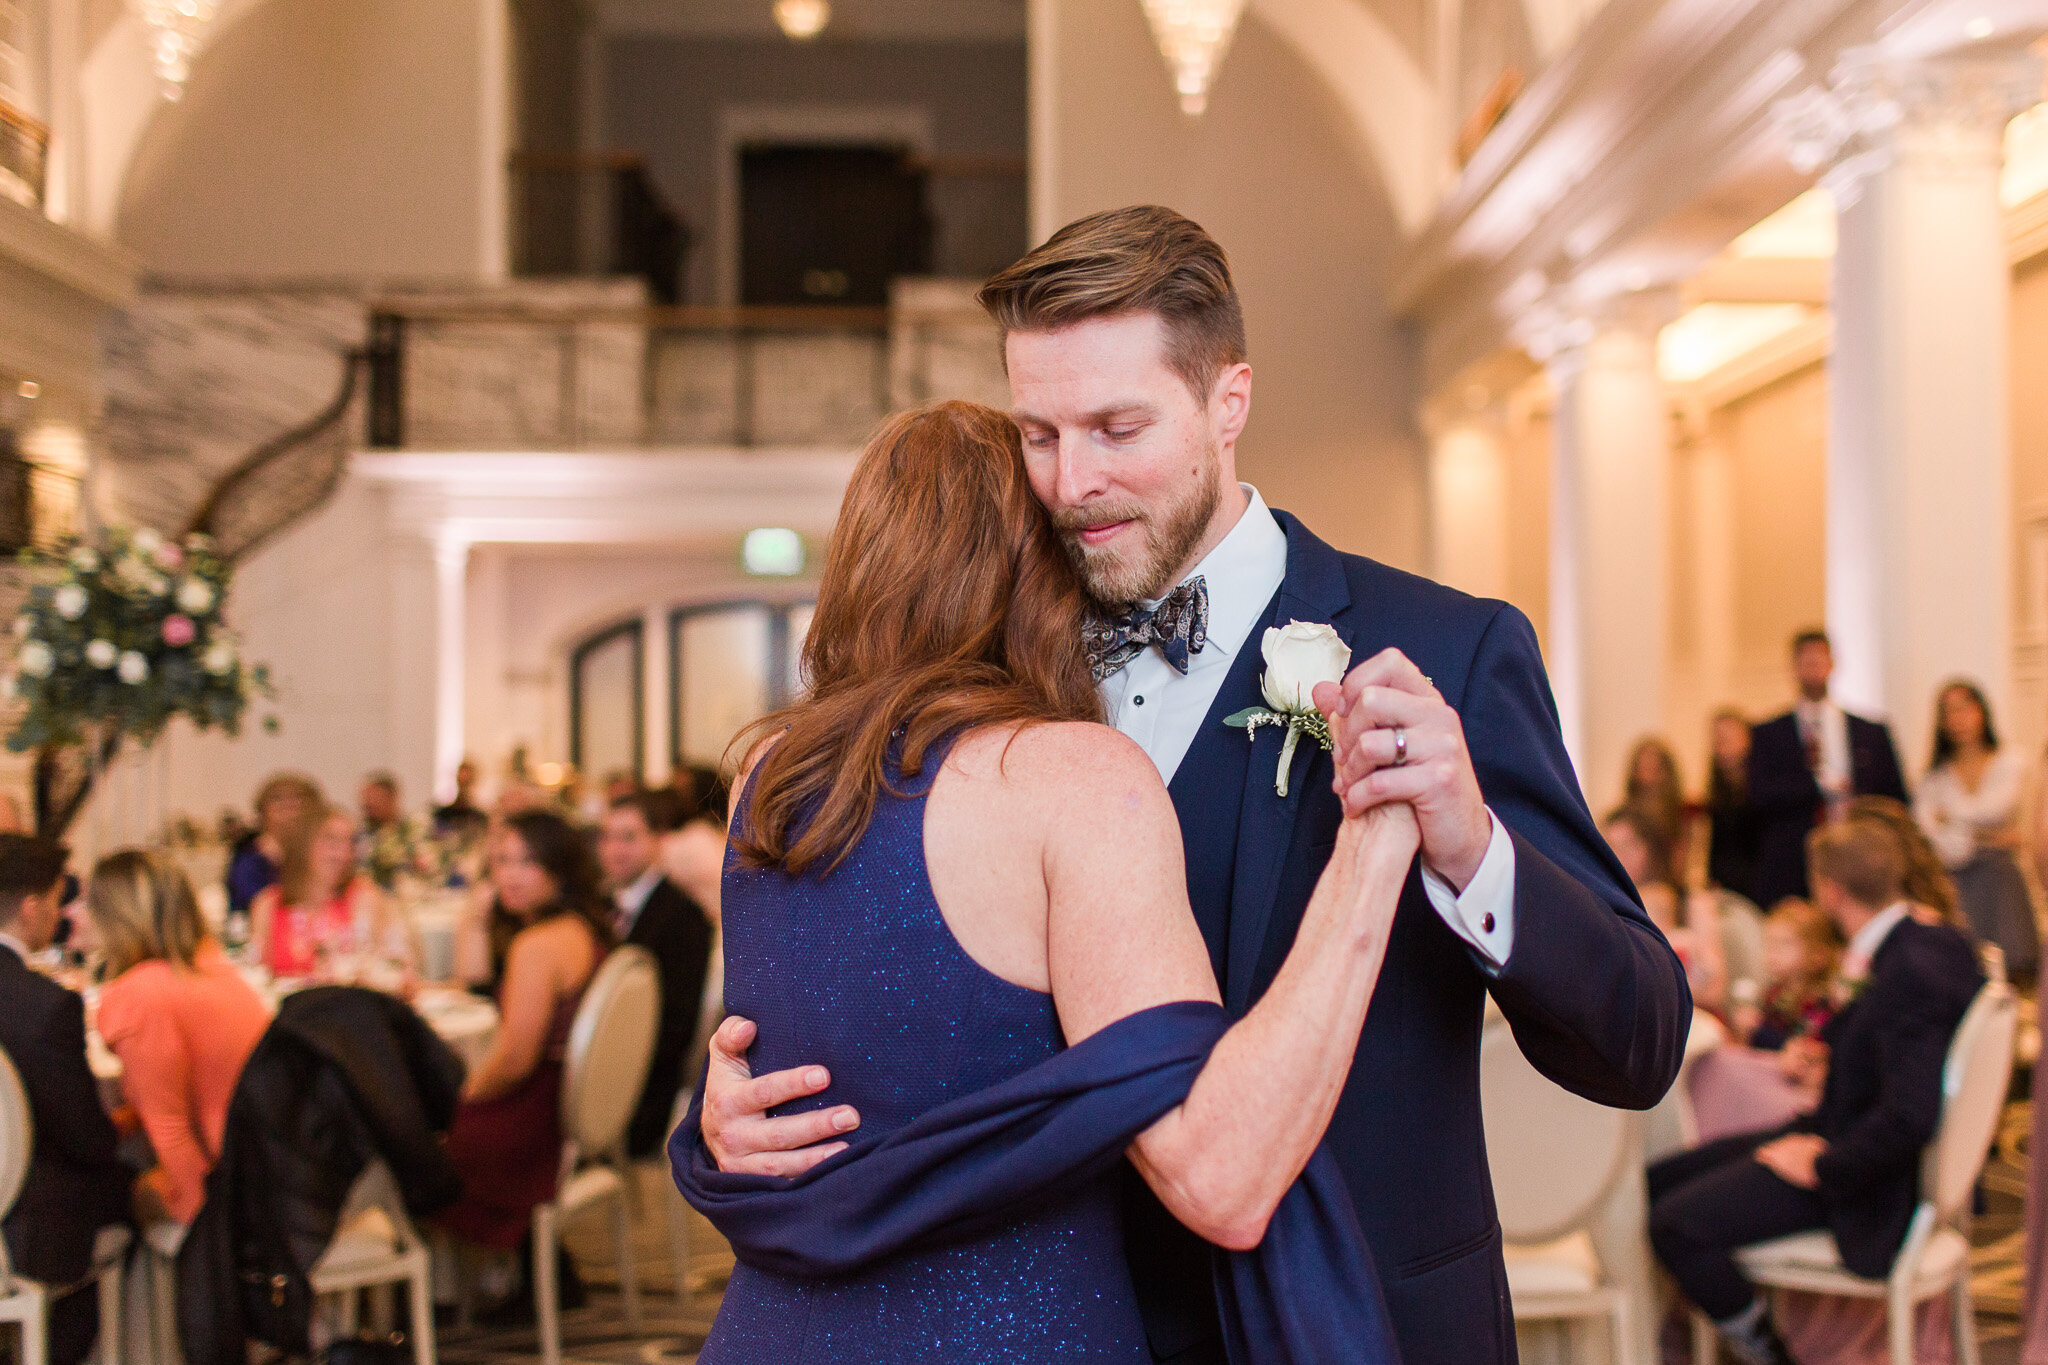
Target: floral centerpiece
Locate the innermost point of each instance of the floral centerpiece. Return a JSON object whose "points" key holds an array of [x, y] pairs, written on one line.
{"points": [[122, 634]]}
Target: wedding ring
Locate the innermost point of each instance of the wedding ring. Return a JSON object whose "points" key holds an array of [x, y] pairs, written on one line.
{"points": [[1400, 746]]}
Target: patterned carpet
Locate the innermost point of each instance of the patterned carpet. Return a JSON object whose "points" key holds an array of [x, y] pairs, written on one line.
{"points": [[671, 1335]]}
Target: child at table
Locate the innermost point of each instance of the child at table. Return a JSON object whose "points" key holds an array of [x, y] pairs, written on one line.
{"points": [[1801, 951]]}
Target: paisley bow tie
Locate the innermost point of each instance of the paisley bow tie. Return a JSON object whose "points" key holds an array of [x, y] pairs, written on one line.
{"points": [[1178, 626]]}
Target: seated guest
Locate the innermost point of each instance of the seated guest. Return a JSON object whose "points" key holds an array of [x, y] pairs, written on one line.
{"points": [[1653, 787], [1801, 951], [74, 1185], [1690, 923], [281, 802], [654, 914], [1969, 804], [1853, 1165], [1928, 887], [693, 836], [1732, 823], [462, 819], [178, 1015], [388, 845], [549, 928], [320, 905]]}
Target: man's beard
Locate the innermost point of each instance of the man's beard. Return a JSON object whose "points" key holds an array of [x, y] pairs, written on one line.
{"points": [[1116, 578]]}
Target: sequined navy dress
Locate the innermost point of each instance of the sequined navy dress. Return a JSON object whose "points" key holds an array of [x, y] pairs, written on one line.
{"points": [[859, 972]]}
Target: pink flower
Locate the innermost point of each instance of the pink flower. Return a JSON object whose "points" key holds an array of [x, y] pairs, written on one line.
{"points": [[179, 631], [170, 556]]}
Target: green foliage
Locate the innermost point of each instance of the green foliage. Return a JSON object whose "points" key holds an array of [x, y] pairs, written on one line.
{"points": [[124, 634]]}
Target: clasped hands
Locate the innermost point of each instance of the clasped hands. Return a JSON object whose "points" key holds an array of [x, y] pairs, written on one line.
{"points": [[1395, 740]]}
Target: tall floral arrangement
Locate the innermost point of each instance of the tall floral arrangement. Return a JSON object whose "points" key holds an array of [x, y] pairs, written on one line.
{"points": [[122, 633]]}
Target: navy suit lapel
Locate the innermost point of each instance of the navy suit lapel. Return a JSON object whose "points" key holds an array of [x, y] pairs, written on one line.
{"points": [[1313, 590]]}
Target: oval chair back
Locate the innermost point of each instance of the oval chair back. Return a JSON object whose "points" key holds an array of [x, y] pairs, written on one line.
{"points": [[611, 1041], [1973, 1087], [17, 1140], [1554, 1156]]}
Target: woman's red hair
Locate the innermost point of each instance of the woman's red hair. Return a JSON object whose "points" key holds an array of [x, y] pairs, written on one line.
{"points": [[946, 604]]}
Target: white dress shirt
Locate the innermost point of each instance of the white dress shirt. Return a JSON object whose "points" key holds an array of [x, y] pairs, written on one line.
{"points": [[1862, 949], [632, 898], [15, 945], [1832, 725], [1163, 710]]}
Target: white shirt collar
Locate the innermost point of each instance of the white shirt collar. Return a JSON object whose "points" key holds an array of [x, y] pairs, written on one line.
{"points": [[1242, 572], [8, 940], [632, 898], [1862, 949]]}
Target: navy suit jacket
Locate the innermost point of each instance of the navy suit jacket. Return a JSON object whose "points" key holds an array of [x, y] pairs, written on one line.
{"points": [[1595, 996], [75, 1184], [1788, 800], [675, 929], [1882, 1100]]}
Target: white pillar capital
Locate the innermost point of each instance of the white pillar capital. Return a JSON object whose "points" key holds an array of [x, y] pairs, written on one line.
{"points": [[1943, 112]]}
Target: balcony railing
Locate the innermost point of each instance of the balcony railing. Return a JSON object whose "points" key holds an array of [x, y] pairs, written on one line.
{"points": [[24, 156], [488, 374]]}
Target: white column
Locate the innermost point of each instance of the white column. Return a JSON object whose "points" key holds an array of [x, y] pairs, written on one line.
{"points": [[654, 676], [451, 610], [1919, 538], [1468, 503], [1609, 541]]}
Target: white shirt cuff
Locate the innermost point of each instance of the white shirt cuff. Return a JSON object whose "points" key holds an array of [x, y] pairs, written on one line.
{"points": [[1484, 914]]}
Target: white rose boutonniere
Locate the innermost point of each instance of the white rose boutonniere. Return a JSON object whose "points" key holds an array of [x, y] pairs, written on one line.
{"points": [[1298, 656]]}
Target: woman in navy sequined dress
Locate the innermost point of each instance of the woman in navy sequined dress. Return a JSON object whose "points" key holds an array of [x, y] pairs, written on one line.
{"points": [[943, 872]]}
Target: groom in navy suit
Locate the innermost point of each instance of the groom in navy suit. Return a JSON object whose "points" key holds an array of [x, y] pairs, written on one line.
{"points": [[1125, 348]]}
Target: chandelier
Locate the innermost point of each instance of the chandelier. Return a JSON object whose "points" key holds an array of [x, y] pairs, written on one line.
{"points": [[177, 32], [1193, 35], [802, 19]]}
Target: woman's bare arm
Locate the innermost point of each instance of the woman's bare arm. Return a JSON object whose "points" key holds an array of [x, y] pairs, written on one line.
{"points": [[1121, 938], [541, 967]]}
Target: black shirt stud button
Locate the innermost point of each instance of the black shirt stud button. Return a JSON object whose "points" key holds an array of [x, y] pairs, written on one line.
{"points": [[1486, 923], [1137, 701]]}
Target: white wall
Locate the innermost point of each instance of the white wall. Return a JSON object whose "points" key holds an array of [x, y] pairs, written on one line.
{"points": [[1274, 172], [363, 139]]}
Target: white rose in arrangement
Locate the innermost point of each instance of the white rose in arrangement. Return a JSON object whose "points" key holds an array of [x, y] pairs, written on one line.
{"points": [[85, 559], [219, 659], [37, 659], [133, 669], [101, 653], [23, 624], [195, 596], [1298, 656], [157, 584], [70, 601], [147, 541]]}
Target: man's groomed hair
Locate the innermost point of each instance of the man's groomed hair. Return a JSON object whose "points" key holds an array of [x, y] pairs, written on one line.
{"points": [[1862, 857], [1143, 259], [29, 866]]}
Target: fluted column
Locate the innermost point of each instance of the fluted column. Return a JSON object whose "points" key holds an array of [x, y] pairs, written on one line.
{"points": [[1609, 537], [1919, 539]]}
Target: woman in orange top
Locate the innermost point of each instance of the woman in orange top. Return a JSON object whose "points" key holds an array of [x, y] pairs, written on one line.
{"points": [[178, 1015], [320, 903]]}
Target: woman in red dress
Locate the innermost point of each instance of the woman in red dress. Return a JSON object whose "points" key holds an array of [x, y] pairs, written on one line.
{"points": [[548, 932], [320, 908]]}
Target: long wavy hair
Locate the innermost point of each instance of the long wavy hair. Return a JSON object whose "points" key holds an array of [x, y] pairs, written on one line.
{"points": [[946, 604], [1945, 748]]}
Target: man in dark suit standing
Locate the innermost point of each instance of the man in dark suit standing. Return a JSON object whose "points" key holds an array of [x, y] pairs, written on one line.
{"points": [[1804, 768], [1129, 382], [75, 1186], [656, 915], [1853, 1165]]}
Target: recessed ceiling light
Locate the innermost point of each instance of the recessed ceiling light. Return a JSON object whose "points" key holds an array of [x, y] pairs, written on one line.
{"points": [[1980, 28], [28, 388]]}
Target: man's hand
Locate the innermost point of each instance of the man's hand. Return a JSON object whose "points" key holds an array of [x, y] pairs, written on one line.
{"points": [[737, 1129], [1425, 764], [1804, 1062], [1791, 1158]]}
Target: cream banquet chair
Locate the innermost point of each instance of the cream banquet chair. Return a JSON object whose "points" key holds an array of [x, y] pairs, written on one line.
{"points": [[1936, 1255], [24, 1300], [1557, 1161], [611, 1042], [374, 1246]]}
